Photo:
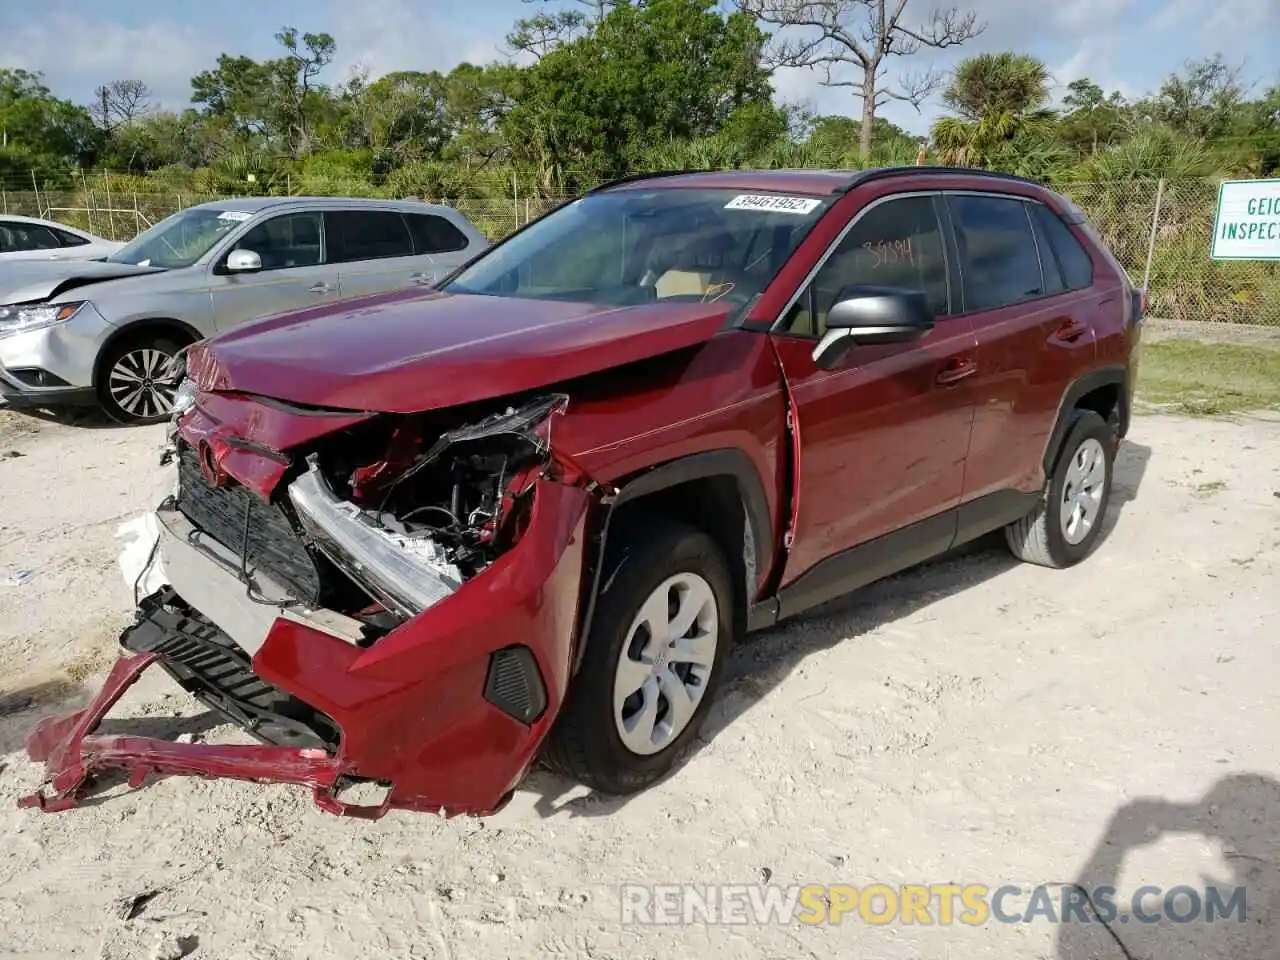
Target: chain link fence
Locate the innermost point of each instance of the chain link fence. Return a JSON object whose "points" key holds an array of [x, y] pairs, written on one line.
{"points": [[1160, 230]]}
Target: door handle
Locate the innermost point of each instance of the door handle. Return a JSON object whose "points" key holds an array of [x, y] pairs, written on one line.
{"points": [[955, 370], [320, 287], [1070, 332], [424, 279]]}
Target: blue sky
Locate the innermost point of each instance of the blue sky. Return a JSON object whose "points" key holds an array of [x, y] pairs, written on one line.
{"points": [[1122, 44]]}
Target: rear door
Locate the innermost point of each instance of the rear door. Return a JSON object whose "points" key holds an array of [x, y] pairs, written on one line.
{"points": [[294, 273], [1034, 332], [882, 437], [374, 252]]}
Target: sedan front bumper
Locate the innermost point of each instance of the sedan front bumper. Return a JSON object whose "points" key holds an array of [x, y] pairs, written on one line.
{"points": [[446, 712]]}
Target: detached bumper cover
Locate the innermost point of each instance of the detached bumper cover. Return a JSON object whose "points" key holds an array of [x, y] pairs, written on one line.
{"points": [[446, 711]]}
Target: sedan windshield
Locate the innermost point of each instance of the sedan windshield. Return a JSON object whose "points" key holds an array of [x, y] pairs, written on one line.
{"points": [[634, 246], [179, 240]]}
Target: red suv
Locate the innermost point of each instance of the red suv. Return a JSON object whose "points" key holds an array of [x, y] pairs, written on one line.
{"points": [[421, 539]]}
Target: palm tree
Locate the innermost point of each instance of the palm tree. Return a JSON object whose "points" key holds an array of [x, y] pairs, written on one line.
{"points": [[998, 99]]}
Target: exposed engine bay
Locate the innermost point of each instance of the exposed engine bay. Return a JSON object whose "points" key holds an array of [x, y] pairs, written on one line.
{"points": [[379, 509], [412, 527]]}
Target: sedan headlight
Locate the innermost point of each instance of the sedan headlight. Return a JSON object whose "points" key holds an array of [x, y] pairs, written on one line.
{"points": [[21, 317]]}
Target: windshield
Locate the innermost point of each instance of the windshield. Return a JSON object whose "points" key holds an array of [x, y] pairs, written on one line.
{"points": [[635, 246], [179, 240]]}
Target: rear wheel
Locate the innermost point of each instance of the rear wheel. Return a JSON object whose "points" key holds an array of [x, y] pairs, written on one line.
{"points": [[1065, 525], [134, 384], [652, 663]]}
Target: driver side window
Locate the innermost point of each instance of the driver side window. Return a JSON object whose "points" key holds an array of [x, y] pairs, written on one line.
{"points": [[292, 240], [895, 244]]}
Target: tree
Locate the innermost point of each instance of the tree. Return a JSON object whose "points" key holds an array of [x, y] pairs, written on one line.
{"points": [[1092, 116], [540, 34], [39, 131], [998, 98], [280, 99], [646, 75], [862, 36], [1201, 101], [120, 103]]}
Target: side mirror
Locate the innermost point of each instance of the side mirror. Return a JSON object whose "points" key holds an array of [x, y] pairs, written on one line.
{"points": [[867, 315], [243, 261]]}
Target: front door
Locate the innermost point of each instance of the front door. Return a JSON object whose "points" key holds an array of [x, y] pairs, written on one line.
{"points": [[883, 437], [294, 273]]}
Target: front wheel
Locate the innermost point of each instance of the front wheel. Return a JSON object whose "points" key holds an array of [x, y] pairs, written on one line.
{"points": [[1065, 525], [135, 385], [652, 663]]}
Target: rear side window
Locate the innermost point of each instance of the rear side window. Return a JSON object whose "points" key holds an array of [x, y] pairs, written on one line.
{"points": [[69, 239], [16, 236], [366, 235], [998, 259], [432, 234], [1072, 258]]}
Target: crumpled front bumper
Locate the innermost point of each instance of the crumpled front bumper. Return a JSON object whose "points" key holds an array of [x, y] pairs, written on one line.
{"points": [[426, 711]]}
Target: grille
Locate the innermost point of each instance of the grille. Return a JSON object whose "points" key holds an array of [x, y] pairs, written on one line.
{"points": [[274, 546]]}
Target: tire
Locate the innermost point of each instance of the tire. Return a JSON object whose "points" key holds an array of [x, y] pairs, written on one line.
{"points": [[1066, 523], [589, 742], [137, 361]]}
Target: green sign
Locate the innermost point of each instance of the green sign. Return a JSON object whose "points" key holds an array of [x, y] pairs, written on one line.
{"points": [[1247, 224]]}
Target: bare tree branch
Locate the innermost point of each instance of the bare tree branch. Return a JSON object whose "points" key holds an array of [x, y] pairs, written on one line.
{"points": [[120, 103], [852, 42]]}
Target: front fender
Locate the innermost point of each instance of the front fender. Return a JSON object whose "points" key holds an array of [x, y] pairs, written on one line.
{"points": [[420, 709]]}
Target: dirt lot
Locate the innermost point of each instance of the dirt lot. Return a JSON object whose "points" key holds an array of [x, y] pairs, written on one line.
{"points": [[973, 721]]}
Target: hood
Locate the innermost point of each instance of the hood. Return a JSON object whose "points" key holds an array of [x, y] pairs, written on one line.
{"points": [[410, 351], [28, 281]]}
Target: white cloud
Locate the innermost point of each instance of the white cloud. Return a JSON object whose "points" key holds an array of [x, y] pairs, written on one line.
{"points": [[76, 54], [386, 35]]}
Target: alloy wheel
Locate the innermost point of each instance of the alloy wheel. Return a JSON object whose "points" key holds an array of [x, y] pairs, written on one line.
{"points": [[140, 384]]}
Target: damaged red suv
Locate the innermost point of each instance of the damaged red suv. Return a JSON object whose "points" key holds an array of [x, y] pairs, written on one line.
{"points": [[420, 540]]}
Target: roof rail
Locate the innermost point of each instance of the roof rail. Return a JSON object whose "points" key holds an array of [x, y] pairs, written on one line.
{"points": [[633, 177], [881, 173]]}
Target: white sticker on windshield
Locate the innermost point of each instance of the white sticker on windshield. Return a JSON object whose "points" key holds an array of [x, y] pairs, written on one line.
{"points": [[751, 201], [235, 215]]}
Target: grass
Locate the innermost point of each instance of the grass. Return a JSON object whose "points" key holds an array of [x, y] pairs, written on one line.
{"points": [[1207, 379]]}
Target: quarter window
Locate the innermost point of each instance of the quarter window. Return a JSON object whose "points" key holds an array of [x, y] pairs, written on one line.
{"points": [[366, 235], [897, 243], [1073, 260], [432, 234], [998, 259], [68, 239]]}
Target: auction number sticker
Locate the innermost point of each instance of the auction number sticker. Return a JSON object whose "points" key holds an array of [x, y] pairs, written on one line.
{"points": [[236, 215], [752, 201]]}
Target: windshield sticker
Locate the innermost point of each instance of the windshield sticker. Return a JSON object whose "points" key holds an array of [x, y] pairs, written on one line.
{"points": [[235, 215], [750, 201]]}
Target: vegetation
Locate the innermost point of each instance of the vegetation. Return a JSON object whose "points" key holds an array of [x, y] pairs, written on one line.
{"points": [[1207, 379], [596, 89]]}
